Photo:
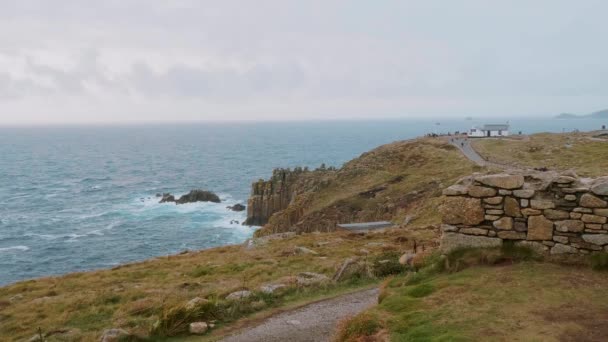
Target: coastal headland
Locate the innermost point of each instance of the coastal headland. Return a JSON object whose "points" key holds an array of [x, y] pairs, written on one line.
{"points": [[300, 256]]}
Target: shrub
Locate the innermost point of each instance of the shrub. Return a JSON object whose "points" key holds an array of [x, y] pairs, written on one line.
{"points": [[599, 261], [387, 264], [174, 321], [351, 329]]}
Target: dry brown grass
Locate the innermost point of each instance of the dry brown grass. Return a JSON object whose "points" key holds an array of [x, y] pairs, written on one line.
{"points": [[133, 296], [577, 151]]}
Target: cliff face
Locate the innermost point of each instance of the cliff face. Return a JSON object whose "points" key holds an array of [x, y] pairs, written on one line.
{"points": [[271, 196], [396, 182]]}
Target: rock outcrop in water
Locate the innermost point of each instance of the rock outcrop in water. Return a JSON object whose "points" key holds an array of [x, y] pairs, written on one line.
{"points": [[192, 197], [237, 207]]}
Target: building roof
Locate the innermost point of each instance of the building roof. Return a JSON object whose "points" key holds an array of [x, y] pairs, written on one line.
{"points": [[366, 225], [494, 127]]}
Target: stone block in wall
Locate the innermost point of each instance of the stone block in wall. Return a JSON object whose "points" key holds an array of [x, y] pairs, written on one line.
{"points": [[560, 248], [583, 210], [574, 190], [596, 239], [588, 218], [503, 181], [492, 217], [570, 198], [462, 210], [512, 207], [600, 187], [473, 231], [491, 233], [576, 216], [456, 190], [601, 212], [492, 206], [569, 226], [524, 193], [565, 180], [448, 228], [481, 191], [505, 223], [548, 243], [593, 226], [511, 235], [560, 239], [525, 203], [493, 200], [520, 226], [537, 246], [530, 212], [539, 228], [494, 212], [451, 241], [556, 214], [591, 201], [542, 204], [504, 192]]}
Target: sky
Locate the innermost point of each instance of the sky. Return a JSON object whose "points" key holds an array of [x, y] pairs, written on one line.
{"points": [[72, 61]]}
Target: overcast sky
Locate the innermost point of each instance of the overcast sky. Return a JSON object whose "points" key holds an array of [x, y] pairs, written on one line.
{"points": [[181, 60]]}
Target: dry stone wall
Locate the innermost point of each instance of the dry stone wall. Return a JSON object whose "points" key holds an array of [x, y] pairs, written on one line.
{"points": [[550, 212]]}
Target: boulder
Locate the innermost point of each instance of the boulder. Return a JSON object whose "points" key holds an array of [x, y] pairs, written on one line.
{"points": [[456, 190], [198, 328], [505, 223], [407, 258], [167, 198], [573, 226], [195, 303], [503, 181], [512, 207], [198, 196], [298, 250], [560, 248], [114, 335], [596, 239], [310, 278], [462, 210], [590, 201], [539, 228], [481, 191], [272, 288], [237, 207], [451, 241], [239, 295]]}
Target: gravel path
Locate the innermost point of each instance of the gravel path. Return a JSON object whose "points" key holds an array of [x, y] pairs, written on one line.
{"points": [[315, 322], [465, 147]]}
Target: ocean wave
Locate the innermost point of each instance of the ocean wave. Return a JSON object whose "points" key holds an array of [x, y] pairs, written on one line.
{"points": [[14, 248]]}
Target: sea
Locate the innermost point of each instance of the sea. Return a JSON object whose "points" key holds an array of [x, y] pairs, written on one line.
{"points": [[77, 198]]}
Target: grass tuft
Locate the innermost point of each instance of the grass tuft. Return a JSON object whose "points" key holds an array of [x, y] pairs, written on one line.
{"points": [[599, 261], [353, 329]]}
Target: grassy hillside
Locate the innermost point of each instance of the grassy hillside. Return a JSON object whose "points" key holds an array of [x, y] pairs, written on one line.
{"points": [[583, 152], [135, 296], [512, 298], [388, 183]]}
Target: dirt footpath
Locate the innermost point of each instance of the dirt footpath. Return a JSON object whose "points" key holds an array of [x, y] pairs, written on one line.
{"points": [[315, 322]]}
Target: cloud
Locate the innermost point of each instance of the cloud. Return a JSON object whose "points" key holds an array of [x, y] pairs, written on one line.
{"points": [[299, 59]]}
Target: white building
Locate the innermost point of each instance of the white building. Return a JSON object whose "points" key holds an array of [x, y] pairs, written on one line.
{"points": [[500, 130]]}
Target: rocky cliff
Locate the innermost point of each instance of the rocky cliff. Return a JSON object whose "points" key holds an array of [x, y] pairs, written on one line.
{"points": [[399, 182]]}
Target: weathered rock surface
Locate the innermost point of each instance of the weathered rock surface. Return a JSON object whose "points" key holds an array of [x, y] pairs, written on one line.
{"points": [[596, 239], [556, 214], [539, 228], [114, 335], [239, 295], [481, 191], [504, 181], [460, 210], [456, 190], [198, 328], [590, 201], [560, 248], [512, 207], [505, 223], [237, 207], [600, 187], [569, 226], [272, 288], [198, 196], [451, 241], [524, 193]]}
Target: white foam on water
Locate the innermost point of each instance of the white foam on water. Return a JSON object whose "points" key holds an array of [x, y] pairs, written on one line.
{"points": [[14, 248]]}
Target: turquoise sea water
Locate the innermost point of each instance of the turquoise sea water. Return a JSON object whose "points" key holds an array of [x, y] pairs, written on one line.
{"points": [[77, 198]]}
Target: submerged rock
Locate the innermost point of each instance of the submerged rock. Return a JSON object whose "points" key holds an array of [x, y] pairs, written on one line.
{"points": [[192, 197], [167, 198]]}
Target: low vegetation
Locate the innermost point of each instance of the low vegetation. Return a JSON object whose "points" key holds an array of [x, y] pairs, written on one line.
{"points": [[148, 298], [582, 152], [488, 294]]}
